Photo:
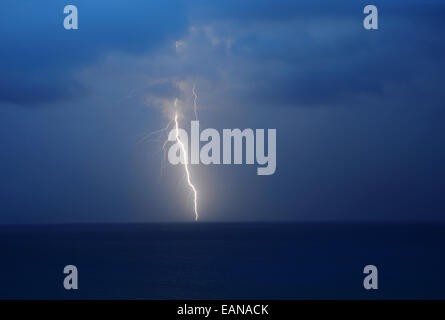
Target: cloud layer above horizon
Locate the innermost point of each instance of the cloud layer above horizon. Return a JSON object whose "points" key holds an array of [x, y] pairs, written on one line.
{"points": [[270, 53]]}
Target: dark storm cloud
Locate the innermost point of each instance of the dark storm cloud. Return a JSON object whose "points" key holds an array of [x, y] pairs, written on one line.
{"points": [[39, 58], [312, 54], [320, 55], [33, 92], [285, 52]]}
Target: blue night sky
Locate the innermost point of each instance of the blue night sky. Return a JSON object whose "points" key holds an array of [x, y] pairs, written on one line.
{"points": [[359, 114]]}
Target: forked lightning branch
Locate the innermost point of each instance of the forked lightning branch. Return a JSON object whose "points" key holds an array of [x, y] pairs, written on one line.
{"points": [[229, 151]]}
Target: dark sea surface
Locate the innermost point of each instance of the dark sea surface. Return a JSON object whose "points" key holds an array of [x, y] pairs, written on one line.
{"points": [[223, 261]]}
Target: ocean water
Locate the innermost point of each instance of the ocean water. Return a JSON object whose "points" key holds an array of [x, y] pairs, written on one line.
{"points": [[223, 261]]}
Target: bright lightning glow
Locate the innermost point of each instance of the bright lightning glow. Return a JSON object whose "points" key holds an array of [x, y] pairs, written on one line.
{"points": [[182, 147], [184, 153]]}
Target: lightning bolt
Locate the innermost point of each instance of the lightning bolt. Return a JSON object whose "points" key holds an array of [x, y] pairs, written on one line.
{"points": [[184, 153], [195, 98], [175, 121]]}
